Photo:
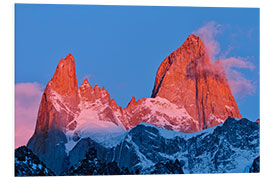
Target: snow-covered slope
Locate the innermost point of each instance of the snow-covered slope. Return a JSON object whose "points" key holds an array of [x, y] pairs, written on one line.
{"points": [[89, 125], [98, 120], [161, 113]]}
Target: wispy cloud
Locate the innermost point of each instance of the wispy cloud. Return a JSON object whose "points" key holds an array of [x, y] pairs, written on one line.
{"points": [[239, 84], [27, 99], [207, 33], [237, 62]]}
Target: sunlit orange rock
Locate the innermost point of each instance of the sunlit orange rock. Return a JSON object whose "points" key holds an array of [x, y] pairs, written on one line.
{"points": [[59, 103], [188, 79], [186, 82]]}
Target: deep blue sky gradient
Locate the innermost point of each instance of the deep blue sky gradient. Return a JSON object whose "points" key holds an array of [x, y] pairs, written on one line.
{"points": [[121, 47]]}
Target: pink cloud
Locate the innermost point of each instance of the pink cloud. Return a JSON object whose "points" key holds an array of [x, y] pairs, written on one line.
{"points": [[208, 33], [237, 62], [239, 84], [27, 99]]}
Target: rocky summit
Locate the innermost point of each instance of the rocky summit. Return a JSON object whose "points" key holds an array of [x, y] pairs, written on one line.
{"points": [[188, 79], [190, 94]]}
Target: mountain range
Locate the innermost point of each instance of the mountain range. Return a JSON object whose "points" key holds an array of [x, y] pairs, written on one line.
{"points": [[191, 121]]}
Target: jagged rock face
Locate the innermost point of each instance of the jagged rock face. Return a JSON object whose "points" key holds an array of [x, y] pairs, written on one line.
{"points": [[86, 91], [99, 100], [90, 95], [230, 147], [188, 79]]}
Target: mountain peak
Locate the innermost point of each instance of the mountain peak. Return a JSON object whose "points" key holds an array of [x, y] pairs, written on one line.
{"points": [[64, 80], [85, 81], [96, 88], [188, 79], [192, 45], [132, 102], [69, 57], [86, 86], [63, 87], [67, 61], [194, 38]]}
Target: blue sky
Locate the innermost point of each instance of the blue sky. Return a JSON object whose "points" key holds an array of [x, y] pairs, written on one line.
{"points": [[121, 47]]}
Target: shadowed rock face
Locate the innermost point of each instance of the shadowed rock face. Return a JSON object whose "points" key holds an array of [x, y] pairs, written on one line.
{"points": [[28, 164], [229, 147], [188, 79]]}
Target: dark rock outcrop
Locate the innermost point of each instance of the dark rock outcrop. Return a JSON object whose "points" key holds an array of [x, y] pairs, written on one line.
{"points": [[255, 168], [28, 164]]}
